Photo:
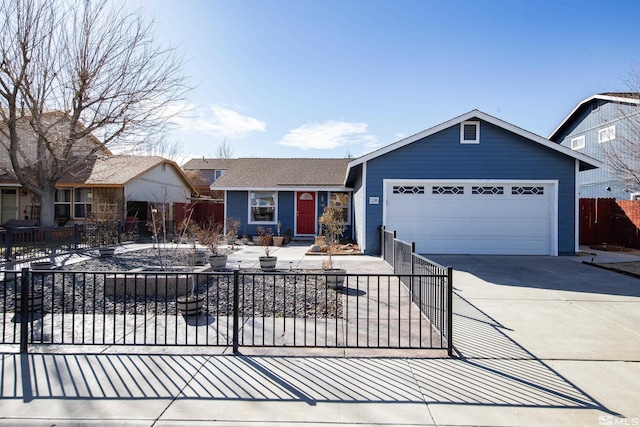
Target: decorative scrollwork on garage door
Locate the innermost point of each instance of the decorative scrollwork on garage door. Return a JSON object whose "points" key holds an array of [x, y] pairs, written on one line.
{"points": [[524, 190], [408, 189], [447, 189], [487, 190]]}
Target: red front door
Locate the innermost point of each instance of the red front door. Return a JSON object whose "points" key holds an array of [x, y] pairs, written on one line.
{"points": [[306, 213]]}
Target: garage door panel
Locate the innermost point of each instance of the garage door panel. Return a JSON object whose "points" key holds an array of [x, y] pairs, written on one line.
{"points": [[474, 223]]}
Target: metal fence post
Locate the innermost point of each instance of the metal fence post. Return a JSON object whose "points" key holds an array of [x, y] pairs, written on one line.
{"points": [[24, 311], [236, 306], [449, 311], [8, 254], [76, 235], [383, 241], [119, 231]]}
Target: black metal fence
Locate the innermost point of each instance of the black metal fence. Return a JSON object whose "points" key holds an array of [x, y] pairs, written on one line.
{"points": [[30, 243], [288, 309], [430, 284]]}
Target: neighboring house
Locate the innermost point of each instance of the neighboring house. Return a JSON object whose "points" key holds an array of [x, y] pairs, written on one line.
{"points": [[472, 185], [606, 118], [130, 186], [209, 170], [16, 203], [289, 192]]}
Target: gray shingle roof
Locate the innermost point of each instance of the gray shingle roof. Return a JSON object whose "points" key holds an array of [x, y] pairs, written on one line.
{"points": [[208, 164], [277, 173]]}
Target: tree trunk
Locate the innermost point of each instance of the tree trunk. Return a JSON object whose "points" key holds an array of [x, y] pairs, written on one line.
{"points": [[47, 208]]}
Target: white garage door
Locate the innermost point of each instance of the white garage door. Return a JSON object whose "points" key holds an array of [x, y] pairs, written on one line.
{"points": [[511, 218]]}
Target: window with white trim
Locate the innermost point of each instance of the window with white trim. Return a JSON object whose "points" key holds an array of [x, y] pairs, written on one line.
{"points": [[577, 142], [341, 200], [263, 206], [218, 173], [470, 133], [81, 202], [607, 134], [62, 203]]}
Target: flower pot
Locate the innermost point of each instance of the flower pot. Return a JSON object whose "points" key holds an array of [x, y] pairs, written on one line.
{"points": [[197, 258], [41, 265], [34, 302], [335, 277], [268, 263], [278, 241], [107, 251], [190, 305], [218, 262]]}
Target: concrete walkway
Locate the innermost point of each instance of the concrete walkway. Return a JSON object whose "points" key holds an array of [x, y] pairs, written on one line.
{"points": [[540, 341]]}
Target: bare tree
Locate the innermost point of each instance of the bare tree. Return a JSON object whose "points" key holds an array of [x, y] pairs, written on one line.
{"points": [[169, 149], [622, 154], [224, 151], [78, 78]]}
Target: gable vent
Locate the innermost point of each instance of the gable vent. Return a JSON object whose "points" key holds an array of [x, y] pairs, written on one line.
{"points": [[470, 132]]}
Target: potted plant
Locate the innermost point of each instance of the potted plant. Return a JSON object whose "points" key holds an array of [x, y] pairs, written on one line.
{"points": [[333, 226], [191, 304], [189, 232], [287, 235], [278, 240], [210, 236], [103, 231], [267, 262], [233, 224]]}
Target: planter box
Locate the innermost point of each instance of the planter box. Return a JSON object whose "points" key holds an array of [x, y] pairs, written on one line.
{"points": [[142, 282], [278, 241]]}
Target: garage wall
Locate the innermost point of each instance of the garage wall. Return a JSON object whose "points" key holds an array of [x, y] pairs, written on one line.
{"points": [[500, 155]]}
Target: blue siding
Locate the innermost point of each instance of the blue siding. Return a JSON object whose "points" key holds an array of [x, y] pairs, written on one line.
{"points": [[286, 211], [238, 207], [588, 121], [500, 155]]}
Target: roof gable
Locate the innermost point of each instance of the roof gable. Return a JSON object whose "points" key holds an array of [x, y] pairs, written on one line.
{"points": [[585, 161], [620, 97], [280, 173], [120, 170]]}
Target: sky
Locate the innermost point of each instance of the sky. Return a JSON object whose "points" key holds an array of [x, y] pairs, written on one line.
{"points": [[338, 78]]}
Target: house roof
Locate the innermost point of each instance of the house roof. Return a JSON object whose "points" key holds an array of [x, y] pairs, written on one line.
{"points": [[208, 164], [626, 97], [118, 171], [274, 174], [586, 162]]}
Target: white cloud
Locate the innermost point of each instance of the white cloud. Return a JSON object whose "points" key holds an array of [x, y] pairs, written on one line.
{"points": [[217, 121], [328, 135]]}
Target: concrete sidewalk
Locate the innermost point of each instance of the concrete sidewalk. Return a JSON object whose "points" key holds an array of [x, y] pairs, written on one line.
{"points": [[540, 341]]}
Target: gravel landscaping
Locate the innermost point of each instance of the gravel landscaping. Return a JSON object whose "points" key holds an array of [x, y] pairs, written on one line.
{"points": [[80, 289]]}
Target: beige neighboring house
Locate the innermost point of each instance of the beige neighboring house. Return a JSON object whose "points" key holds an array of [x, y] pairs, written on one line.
{"points": [[124, 186], [129, 186]]}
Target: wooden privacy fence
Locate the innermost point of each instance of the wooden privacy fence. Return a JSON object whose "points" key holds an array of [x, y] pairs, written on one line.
{"points": [[202, 211], [610, 221]]}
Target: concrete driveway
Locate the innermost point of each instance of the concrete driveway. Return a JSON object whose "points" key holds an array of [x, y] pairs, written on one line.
{"points": [[565, 335]]}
